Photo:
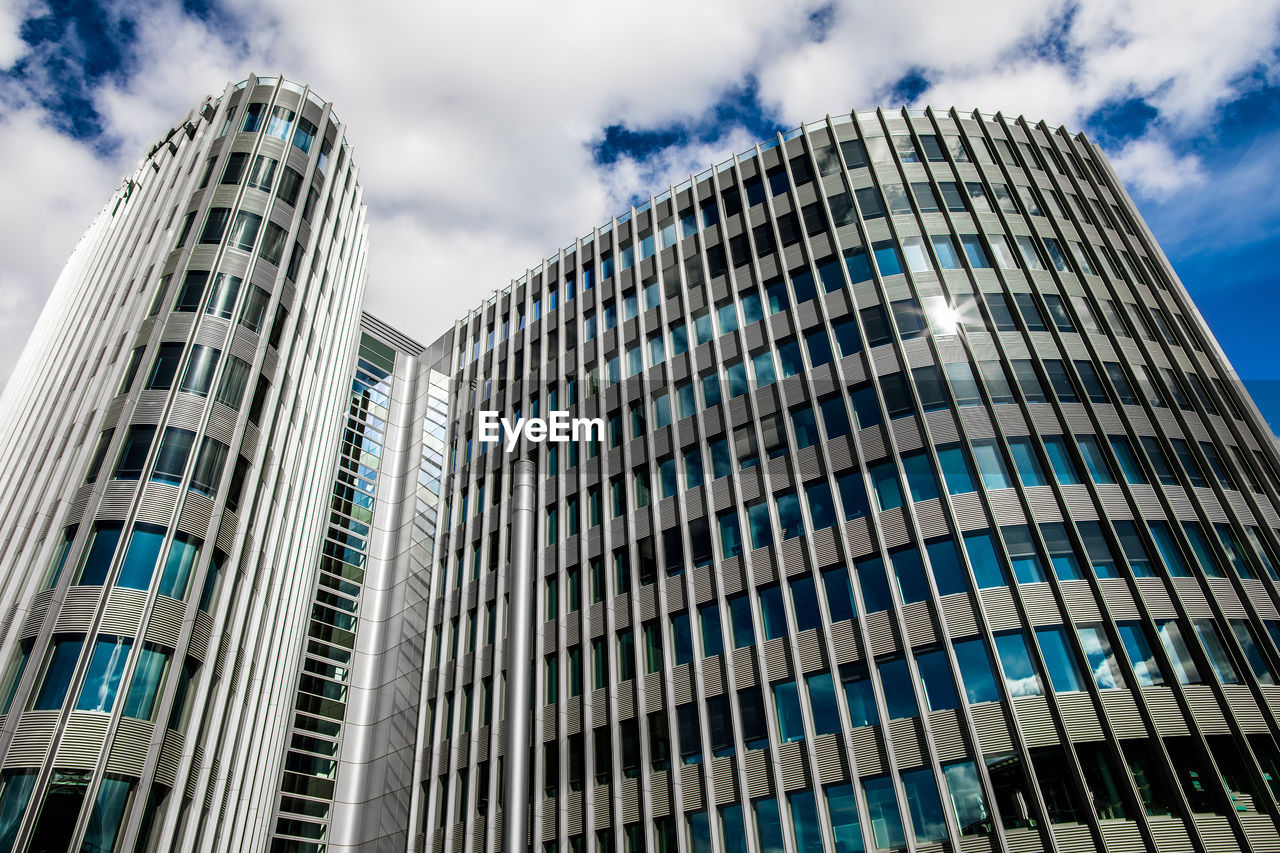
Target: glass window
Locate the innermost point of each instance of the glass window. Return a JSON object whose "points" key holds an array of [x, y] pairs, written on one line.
{"points": [[885, 479], [171, 458], [822, 699], [1019, 671], [1061, 554], [1167, 546], [1060, 380], [987, 567], [945, 248], [974, 664], [947, 569], [148, 677], [139, 563], [786, 701], [1252, 653], [853, 494], [835, 418], [991, 464], [1101, 659], [835, 580], [1022, 449], [198, 375], [1145, 667], [1024, 369], [935, 674], [1064, 673], [882, 808], [1215, 650], [1027, 567], [859, 695], [928, 823], [97, 561], [842, 807], [956, 470], [921, 481], [909, 573], [873, 584], [1064, 467], [59, 667], [244, 231], [102, 679], [899, 692]]}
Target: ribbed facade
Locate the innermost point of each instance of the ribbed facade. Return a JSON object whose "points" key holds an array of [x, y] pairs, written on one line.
{"points": [[928, 516], [169, 433]]}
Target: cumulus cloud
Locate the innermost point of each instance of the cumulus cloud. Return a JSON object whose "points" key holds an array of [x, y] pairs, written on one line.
{"points": [[475, 124], [1152, 169]]}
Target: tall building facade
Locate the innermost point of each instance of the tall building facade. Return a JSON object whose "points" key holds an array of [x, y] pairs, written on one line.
{"points": [[928, 516], [171, 428]]}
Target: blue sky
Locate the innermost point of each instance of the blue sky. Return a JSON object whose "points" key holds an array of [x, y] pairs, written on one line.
{"points": [[540, 122]]}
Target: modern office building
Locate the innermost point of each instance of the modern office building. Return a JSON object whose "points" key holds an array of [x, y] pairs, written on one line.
{"points": [[928, 516]]}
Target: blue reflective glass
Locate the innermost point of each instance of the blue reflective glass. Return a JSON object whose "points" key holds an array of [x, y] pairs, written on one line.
{"points": [[924, 806], [139, 563], [887, 259], [768, 826], [873, 584], [786, 700], [884, 478], [759, 524], [819, 347], [842, 805], [57, 674], [101, 550], [1064, 673], [975, 670], [804, 602], [899, 692], [987, 567], [935, 673], [886, 820], [909, 572], [921, 480], [860, 697], [102, 679], [740, 616], [790, 517], [955, 469], [709, 619], [681, 638], [848, 342], [822, 508], [834, 417], [835, 581], [1019, 672], [773, 612], [804, 821], [853, 494], [948, 572]]}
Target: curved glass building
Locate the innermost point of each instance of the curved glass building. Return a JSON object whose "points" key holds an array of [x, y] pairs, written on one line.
{"points": [[928, 515], [170, 433]]}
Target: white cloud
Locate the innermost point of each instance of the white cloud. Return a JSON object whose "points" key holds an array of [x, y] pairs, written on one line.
{"points": [[1152, 169], [473, 123]]}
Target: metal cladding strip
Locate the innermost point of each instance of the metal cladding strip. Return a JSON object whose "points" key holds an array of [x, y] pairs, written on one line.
{"points": [[518, 664]]}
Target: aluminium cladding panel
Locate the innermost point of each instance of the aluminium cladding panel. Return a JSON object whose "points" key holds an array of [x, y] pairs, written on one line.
{"points": [[935, 204], [375, 771]]}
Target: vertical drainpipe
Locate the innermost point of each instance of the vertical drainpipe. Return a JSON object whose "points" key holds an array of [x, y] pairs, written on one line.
{"points": [[515, 783]]}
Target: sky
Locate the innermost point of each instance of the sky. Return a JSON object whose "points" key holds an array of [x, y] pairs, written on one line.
{"points": [[489, 135]]}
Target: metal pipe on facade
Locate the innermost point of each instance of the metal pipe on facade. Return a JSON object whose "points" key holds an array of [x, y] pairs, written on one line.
{"points": [[516, 747]]}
